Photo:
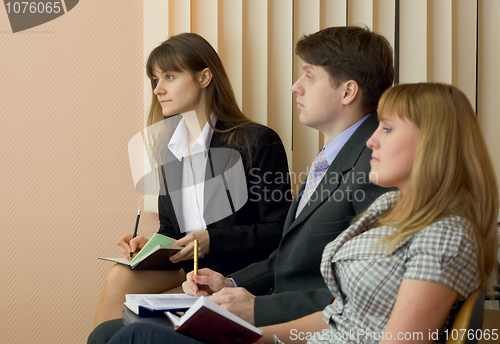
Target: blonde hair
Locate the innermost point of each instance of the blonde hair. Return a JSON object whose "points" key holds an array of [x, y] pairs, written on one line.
{"points": [[452, 173]]}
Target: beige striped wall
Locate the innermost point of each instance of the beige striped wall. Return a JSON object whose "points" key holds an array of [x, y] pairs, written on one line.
{"points": [[72, 94], [70, 99]]}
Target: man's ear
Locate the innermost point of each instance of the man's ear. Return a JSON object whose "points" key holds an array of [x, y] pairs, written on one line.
{"points": [[205, 77], [351, 92]]}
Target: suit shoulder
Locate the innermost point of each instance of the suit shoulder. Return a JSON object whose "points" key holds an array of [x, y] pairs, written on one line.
{"points": [[261, 134]]}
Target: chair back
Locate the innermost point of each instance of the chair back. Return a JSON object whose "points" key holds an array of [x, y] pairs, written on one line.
{"points": [[469, 318]]}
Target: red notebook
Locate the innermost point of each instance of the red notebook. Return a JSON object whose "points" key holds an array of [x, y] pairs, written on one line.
{"points": [[210, 323]]}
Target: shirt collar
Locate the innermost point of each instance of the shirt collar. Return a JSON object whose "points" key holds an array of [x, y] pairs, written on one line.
{"points": [[178, 144], [334, 147]]}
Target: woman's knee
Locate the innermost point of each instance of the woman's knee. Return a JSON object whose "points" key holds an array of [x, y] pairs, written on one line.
{"points": [[119, 275], [121, 278]]}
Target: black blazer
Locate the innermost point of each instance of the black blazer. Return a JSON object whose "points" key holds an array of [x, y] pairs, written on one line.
{"points": [[253, 232], [289, 284]]}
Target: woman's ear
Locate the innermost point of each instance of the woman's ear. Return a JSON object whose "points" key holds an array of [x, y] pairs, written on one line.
{"points": [[205, 77]]}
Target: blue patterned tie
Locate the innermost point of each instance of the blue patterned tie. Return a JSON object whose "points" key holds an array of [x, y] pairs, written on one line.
{"points": [[318, 169]]}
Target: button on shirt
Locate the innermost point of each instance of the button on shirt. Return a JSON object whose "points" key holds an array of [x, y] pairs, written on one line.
{"points": [[193, 173]]}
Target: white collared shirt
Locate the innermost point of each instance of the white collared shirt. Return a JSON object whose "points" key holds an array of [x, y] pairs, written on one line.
{"points": [[193, 173]]}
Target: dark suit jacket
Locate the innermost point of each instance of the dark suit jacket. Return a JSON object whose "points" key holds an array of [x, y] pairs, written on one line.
{"points": [[289, 284], [253, 232]]}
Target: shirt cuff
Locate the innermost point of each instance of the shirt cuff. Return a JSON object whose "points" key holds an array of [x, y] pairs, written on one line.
{"points": [[233, 281]]}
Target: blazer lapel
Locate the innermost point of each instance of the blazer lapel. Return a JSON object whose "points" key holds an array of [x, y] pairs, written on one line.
{"points": [[212, 170], [290, 217], [217, 139], [217, 163], [172, 178]]}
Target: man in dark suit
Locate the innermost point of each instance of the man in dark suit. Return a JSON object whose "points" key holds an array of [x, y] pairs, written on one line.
{"points": [[346, 70]]}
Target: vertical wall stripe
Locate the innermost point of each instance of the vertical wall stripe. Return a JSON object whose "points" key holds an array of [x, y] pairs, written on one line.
{"points": [[384, 19], [397, 39], [464, 43], [488, 76], [255, 55], [333, 13], [230, 34], [477, 59], [156, 30], [360, 13], [204, 20], [413, 41], [280, 65], [439, 41], [179, 19], [347, 12]]}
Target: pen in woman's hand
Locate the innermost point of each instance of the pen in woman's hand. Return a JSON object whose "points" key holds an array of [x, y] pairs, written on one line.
{"points": [[135, 229], [136, 223]]}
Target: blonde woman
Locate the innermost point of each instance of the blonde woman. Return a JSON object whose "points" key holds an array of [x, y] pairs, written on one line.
{"points": [[403, 269]]}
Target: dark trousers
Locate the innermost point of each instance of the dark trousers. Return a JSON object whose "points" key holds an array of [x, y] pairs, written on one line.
{"points": [[103, 333], [146, 333]]}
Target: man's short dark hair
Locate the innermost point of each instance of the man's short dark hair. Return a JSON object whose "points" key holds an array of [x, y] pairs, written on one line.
{"points": [[352, 53]]}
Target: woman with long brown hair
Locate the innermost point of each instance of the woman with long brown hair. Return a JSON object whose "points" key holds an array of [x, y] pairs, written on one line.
{"points": [[190, 85]]}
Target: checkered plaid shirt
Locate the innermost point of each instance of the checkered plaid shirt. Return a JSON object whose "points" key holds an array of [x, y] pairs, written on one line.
{"points": [[365, 281]]}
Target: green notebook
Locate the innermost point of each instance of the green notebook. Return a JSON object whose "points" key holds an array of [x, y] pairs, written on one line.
{"points": [[153, 256]]}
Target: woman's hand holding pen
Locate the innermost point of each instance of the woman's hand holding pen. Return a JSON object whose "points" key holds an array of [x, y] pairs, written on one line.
{"points": [[188, 241], [129, 244]]}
